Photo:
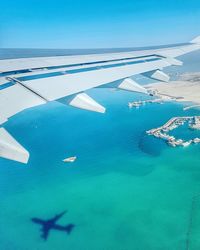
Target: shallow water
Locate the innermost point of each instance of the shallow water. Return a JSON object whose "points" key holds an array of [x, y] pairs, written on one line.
{"points": [[126, 190]]}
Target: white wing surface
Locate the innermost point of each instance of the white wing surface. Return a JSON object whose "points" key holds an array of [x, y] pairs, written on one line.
{"points": [[29, 82]]}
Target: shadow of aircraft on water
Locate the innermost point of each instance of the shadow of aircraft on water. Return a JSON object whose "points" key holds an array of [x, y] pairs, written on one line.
{"points": [[50, 224]]}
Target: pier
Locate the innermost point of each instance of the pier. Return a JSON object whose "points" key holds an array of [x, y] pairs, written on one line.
{"points": [[173, 123], [141, 103], [160, 99]]}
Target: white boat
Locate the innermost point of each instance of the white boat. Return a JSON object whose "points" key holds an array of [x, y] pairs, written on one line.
{"points": [[70, 159]]}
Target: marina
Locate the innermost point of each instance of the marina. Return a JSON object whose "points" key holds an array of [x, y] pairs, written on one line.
{"points": [[173, 123]]}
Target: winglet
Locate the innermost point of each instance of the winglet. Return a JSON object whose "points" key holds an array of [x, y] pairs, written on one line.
{"points": [[11, 149], [196, 40]]}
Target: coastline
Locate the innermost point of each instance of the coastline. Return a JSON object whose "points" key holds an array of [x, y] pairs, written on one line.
{"points": [[185, 89]]}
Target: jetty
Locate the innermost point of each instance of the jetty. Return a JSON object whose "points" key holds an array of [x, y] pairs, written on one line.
{"points": [[173, 123]]}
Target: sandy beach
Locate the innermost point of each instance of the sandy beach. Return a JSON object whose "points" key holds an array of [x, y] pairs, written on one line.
{"points": [[187, 88]]}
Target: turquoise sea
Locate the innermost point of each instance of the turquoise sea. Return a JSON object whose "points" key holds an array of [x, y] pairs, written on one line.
{"points": [[126, 191]]}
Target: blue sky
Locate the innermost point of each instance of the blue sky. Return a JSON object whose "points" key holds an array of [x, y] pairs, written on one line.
{"points": [[97, 24]]}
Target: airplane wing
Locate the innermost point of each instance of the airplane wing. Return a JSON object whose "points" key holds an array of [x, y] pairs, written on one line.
{"points": [[29, 82]]}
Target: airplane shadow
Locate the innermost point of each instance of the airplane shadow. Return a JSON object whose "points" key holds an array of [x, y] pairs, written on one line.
{"points": [[51, 224]]}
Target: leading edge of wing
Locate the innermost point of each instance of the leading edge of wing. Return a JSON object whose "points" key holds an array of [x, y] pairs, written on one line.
{"points": [[9, 65]]}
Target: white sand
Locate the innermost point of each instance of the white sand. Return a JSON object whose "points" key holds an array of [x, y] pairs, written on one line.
{"points": [[187, 87]]}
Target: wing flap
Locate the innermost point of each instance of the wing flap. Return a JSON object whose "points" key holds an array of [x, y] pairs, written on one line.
{"points": [[15, 99]]}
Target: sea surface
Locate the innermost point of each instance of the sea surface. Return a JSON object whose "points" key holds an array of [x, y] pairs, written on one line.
{"points": [[125, 191]]}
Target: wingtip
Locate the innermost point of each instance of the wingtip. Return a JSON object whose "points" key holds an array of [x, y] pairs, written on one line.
{"points": [[196, 40]]}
